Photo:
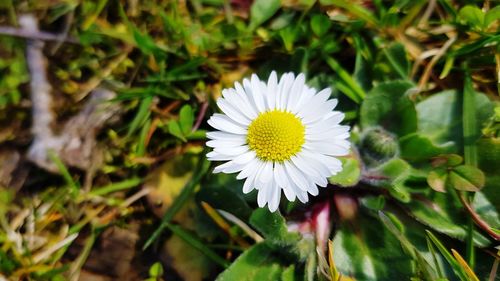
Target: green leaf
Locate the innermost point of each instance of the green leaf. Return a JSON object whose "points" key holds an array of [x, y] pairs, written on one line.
{"points": [[357, 92], [289, 274], [440, 118], [175, 129], [388, 105], [186, 119], [453, 263], [396, 55], [320, 24], [262, 10], [350, 174], [273, 227], [466, 177], [442, 213], [366, 250], [472, 15], [491, 16], [142, 115], [417, 147], [258, 263], [437, 180]]}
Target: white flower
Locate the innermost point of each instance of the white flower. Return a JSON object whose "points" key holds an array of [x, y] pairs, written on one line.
{"points": [[279, 135]]}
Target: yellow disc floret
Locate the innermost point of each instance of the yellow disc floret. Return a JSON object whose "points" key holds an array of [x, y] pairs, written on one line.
{"points": [[276, 135]]}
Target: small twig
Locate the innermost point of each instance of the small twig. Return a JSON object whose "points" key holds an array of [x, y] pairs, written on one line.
{"points": [[201, 114], [434, 60], [477, 219], [95, 81], [64, 34], [427, 14], [35, 34], [40, 89]]}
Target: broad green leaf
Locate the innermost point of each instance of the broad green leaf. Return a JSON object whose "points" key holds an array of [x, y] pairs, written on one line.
{"points": [[443, 213], [366, 250], [396, 171], [417, 147], [272, 226], [472, 15], [262, 10], [487, 206], [387, 105], [437, 180], [440, 115], [492, 16], [465, 177], [259, 263], [175, 129], [289, 274], [186, 119], [320, 24], [350, 174]]}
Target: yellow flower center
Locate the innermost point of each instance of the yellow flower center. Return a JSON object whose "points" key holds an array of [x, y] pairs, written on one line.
{"points": [[276, 135]]}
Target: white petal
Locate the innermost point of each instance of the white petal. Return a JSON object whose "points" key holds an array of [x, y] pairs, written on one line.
{"points": [[309, 170], [249, 184], [313, 159], [295, 92], [223, 123], [266, 173], [217, 135], [214, 156], [233, 167], [272, 87], [274, 201], [239, 100], [247, 97], [225, 143], [250, 169], [313, 189], [328, 148], [262, 197], [233, 112], [319, 111], [233, 151], [280, 175], [284, 91], [295, 175], [245, 157], [289, 194]]}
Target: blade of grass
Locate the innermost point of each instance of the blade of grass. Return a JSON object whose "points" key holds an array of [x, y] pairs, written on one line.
{"points": [[470, 273], [347, 79], [126, 184], [334, 273], [73, 185], [434, 257], [470, 151], [198, 173], [197, 244], [141, 116], [449, 258], [141, 146]]}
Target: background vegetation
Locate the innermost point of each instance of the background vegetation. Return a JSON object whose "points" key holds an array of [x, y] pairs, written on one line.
{"points": [[115, 185]]}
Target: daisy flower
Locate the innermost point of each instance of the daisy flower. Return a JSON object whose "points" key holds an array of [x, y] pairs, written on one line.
{"points": [[279, 135]]}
